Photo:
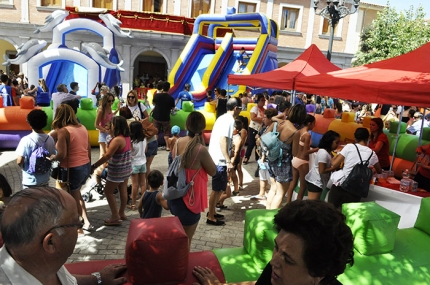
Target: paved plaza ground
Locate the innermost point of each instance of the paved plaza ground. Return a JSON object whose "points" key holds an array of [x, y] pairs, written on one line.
{"points": [[109, 242]]}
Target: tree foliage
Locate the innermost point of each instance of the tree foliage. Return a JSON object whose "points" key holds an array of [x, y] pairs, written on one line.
{"points": [[391, 34]]}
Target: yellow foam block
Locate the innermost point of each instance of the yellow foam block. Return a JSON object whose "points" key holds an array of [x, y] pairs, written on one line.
{"points": [[94, 137], [348, 117], [345, 130]]}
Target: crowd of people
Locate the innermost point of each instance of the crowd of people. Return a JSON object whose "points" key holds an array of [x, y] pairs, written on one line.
{"points": [[14, 86], [126, 152]]}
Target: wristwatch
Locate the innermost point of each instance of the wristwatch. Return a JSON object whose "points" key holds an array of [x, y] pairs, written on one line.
{"points": [[98, 276]]}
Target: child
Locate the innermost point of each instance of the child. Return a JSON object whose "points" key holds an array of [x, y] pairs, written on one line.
{"points": [[152, 201], [37, 119], [172, 141], [240, 61], [138, 161]]}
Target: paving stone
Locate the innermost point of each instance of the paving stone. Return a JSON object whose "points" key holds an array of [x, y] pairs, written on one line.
{"points": [[109, 242]]}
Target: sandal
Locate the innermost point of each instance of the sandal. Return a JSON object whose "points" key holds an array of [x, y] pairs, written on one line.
{"points": [[131, 207], [110, 222], [89, 228]]}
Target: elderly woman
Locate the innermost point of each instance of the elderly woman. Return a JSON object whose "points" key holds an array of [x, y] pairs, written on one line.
{"points": [[74, 153], [313, 246]]}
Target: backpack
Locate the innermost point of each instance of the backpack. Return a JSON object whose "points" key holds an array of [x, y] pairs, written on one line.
{"points": [[271, 145], [358, 180], [39, 162], [175, 182]]}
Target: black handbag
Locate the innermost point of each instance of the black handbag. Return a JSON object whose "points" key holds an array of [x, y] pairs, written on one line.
{"points": [[56, 170]]}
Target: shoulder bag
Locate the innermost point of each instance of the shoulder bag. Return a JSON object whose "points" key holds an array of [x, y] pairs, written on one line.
{"points": [[59, 183]]}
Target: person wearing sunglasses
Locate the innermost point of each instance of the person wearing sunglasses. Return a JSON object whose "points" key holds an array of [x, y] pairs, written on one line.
{"points": [[39, 231], [137, 109]]}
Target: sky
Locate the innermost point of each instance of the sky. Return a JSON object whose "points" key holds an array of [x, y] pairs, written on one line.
{"points": [[402, 5]]}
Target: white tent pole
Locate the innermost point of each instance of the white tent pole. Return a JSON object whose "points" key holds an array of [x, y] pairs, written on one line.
{"points": [[397, 140], [421, 133]]}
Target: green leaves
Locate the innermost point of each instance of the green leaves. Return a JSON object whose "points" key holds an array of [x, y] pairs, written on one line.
{"points": [[391, 34]]}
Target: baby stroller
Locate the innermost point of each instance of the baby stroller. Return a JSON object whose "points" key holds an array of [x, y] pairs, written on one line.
{"points": [[98, 187]]}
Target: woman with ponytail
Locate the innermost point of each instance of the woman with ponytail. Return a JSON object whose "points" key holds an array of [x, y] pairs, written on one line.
{"points": [[198, 163]]}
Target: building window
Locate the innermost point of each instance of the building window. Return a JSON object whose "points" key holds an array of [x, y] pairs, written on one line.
{"points": [[290, 18], [199, 7], [326, 28], [153, 6], [51, 3], [107, 4], [245, 7]]}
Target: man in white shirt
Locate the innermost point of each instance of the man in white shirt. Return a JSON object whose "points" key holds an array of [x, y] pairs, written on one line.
{"points": [[61, 96], [219, 149], [39, 230], [415, 128]]}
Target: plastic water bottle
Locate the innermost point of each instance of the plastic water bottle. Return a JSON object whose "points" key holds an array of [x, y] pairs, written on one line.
{"points": [[405, 184]]}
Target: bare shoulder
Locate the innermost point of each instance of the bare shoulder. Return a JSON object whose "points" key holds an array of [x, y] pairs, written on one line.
{"points": [[286, 131]]}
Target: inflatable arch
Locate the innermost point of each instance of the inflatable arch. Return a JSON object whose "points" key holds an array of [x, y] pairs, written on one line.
{"points": [[58, 52], [59, 33], [36, 64]]}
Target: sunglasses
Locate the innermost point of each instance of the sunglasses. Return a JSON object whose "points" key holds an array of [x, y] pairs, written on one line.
{"points": [[110, 101], [131, 97], [79, 225]]}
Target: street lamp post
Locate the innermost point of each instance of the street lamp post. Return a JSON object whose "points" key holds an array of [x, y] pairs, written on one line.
{"points": [[333, 13]]}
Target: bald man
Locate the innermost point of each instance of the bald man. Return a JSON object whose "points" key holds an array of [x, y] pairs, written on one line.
{"points": [[39, 230]]}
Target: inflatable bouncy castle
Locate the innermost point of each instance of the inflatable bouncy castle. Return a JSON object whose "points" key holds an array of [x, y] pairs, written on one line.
{"points": [[208, 58]]}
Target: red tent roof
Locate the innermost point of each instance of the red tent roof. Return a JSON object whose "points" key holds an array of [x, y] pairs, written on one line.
{"points": [[310, 62], [402, 80]]}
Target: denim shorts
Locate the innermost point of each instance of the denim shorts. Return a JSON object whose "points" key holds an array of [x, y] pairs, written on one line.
{"points": [[139, 169], [102, 137], [152, 149], [219, 180], [179, 209], [77, 177]]}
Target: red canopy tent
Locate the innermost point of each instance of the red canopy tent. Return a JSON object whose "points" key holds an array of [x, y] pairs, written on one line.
{"points": [[310, 62], [401, 80]]}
